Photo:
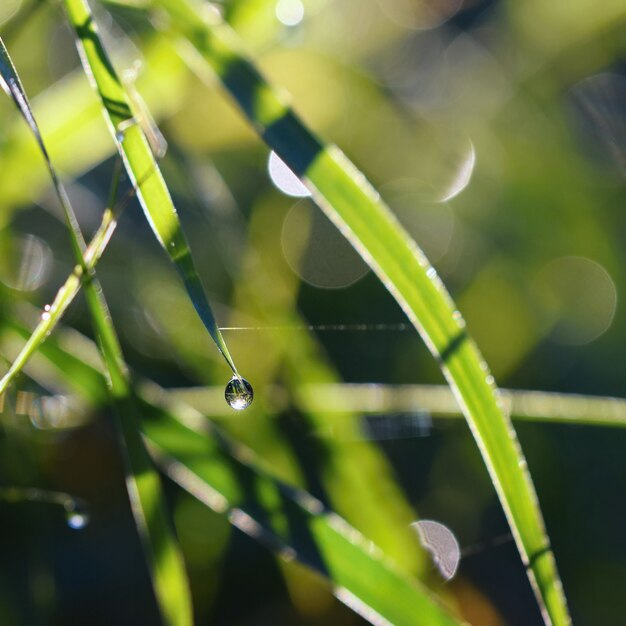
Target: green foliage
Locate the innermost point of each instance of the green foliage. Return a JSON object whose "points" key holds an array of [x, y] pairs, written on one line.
{"points": [[355, 207], [144, 489], [300, 472]]}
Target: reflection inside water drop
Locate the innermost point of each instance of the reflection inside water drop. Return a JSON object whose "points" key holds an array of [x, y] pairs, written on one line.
{"points": [[239, 393], [76, 515]]}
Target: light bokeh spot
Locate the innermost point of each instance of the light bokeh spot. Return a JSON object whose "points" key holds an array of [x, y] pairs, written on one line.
{"points": [[289, 12], [284, 179], [316, 251], [579, 299], [600, 106], [429, 222], [8, 8], [25, 262], [440, 541], [420, 14], [462, 174]]}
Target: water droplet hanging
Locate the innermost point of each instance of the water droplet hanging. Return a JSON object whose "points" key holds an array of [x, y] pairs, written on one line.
{"points": [[239, 393], [76, 514]]}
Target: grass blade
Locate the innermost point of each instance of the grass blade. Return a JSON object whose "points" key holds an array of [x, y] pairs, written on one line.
{"points": [[140, 164], [144, 489], [51, 316], [357, 210], [75, 133], [319, 538], [209, 465], [404, 401], [10, 82]]}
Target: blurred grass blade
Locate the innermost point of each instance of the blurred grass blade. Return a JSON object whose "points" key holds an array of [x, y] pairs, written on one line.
{"points": [[295, 524], [438, 401], [143, 484], [412, 406], [287, 520], [357, 210], [140, 164]]}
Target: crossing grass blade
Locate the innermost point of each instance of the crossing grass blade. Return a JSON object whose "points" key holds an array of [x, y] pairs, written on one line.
{"points": [[400, 403], [223, 475], [355, 207], [141, 164], [64, 297], [162, 554]]}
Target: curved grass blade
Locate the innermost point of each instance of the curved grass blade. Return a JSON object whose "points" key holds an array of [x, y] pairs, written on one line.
{"points": [[355, 207], [139, 160], [222, 474], [144, 489]]}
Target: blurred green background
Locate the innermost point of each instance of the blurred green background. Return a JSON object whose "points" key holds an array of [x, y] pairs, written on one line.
{"points": [[496, 131]]}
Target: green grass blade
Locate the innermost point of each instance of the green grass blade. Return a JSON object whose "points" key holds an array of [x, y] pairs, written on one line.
{"points": [[53, 313], [143, 485], [141, 164], [10, 82], [144, 489], [357, 210], [296, 525], [76, 135], [288, 521]]}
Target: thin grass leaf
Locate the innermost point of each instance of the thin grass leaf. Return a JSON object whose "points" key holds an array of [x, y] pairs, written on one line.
{"points": [[144, 489], [10, 82], [139, 160], [76, 135], [438, 401], [223, 475], [143, 484], [355, 207], [53, 313]]}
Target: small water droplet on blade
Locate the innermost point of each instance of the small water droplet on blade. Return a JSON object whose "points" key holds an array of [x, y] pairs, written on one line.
{"points": [[239, 393], [76, 515]]}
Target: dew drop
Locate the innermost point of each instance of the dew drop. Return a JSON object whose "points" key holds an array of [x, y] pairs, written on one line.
{"points": [[239, 393], [76, 515]]}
